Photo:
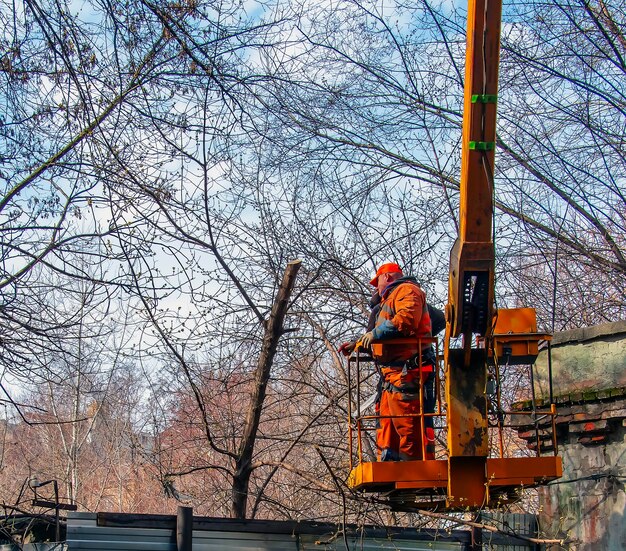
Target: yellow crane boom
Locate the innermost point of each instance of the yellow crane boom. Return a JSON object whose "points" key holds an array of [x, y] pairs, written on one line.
{"points": [[471, 476]]}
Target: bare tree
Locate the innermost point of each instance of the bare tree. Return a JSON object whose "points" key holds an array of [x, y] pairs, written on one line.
{"points": [[389, 115], [177, 156]]}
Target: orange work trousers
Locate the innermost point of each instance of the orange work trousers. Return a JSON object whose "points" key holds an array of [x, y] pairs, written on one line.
{"points": [[400, 425]]}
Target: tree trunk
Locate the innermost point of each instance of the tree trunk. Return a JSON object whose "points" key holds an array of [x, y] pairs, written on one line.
{"points": [[273, 332]]}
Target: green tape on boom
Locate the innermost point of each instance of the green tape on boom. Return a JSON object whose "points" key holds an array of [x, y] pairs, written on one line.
{"points": [[482, 146], [484, 98]]}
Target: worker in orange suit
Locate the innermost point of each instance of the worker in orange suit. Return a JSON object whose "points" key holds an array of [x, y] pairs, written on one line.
{"points": [[403, 313]]}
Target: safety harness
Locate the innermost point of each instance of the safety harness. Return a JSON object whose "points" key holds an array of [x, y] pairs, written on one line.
{"points": [[410, 390]]}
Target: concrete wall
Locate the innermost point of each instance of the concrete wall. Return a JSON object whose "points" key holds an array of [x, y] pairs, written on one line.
{"points": [[587, 505], [583, 359]]}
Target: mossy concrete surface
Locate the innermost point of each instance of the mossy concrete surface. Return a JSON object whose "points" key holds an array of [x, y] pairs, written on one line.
{"points": [[584, 361]]}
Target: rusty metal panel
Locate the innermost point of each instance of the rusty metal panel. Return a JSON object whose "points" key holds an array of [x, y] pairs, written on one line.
{"points": [[468, 440], [467, 404]]}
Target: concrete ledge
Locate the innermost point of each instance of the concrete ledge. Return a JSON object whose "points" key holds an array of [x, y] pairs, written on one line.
{"points": [[571, 398], [583, 334]]}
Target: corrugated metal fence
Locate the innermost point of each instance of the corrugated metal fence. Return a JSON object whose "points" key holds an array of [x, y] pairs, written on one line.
{"points": [[125, 532], [33, 547], [511, 523]]}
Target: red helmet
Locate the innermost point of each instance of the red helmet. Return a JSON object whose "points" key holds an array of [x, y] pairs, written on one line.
{"points": [[388, 268]]}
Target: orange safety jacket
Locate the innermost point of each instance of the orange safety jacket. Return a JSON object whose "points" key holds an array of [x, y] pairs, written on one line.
{"points": [[404, 306]]}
